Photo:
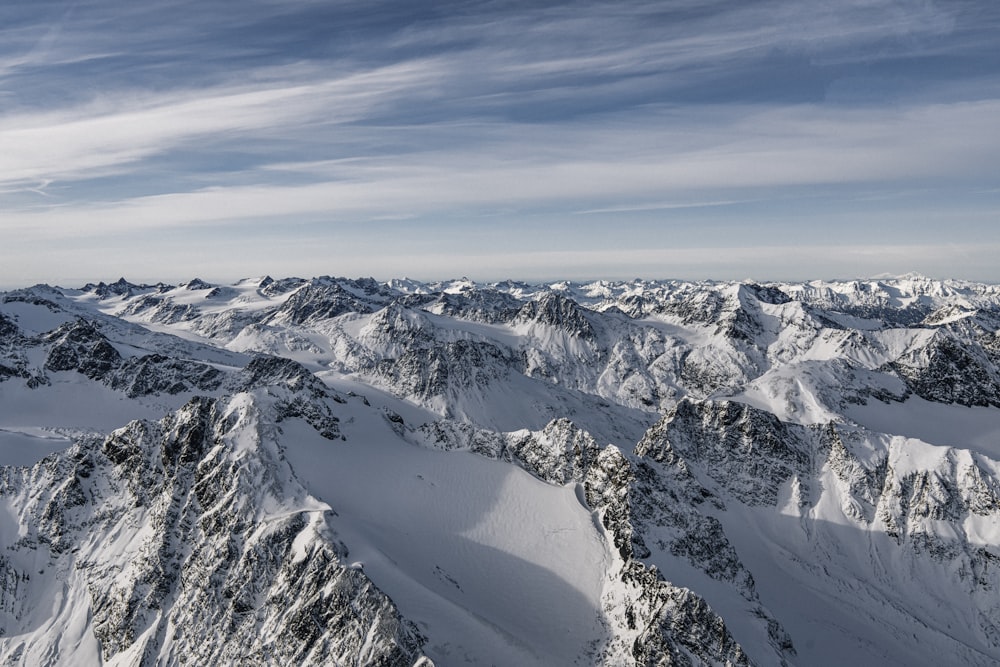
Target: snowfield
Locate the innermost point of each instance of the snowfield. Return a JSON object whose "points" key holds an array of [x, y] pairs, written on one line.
{"points": [[490, 562]]}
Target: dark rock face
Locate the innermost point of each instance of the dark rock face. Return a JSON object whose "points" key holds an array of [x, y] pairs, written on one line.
{"points": [[444, 370], [265, 370], [159, 309], [268, 286], [558, 311], [79, 346], [689, 305], [40, 295], [156, 374], [671, 349], [9, 331], [948, 371], [747, 451], [11, 371], [875, 301], [299, 392], [119, 288], [315, 302], [12, 361], [487, 305], [561, 453], [767, 294], [672, 625], [656, 622], [197, 284], [682, 629]]}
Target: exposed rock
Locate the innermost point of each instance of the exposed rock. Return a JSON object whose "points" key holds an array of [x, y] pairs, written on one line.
{"points": [[79, 346], [555, 310], [155, 374], [950, 372], [745, 450]]}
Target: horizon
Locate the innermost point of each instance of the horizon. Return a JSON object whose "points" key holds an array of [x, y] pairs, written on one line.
{"points": [[774, 138], [579, 282]]}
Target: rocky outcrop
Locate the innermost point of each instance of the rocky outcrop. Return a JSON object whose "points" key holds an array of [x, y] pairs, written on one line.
{"points": [[555, 310], [79, 346], [160, 309], [325, 298], [158, 374], [296, 392], [746, 451], [39, 295], [270, 287], [482, 305], [949, 371], [712, 490], [119, 288], [13, 363], [655, 622]]}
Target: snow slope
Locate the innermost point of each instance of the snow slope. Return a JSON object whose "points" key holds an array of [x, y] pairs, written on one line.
{"points": [[491, 563]]}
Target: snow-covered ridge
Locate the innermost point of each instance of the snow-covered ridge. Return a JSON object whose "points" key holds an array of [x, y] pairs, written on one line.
{"points": [[703, 473], [156, 538]]}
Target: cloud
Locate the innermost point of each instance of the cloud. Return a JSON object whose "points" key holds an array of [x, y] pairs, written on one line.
{"points": [[656, 37], [606, 167], [508, 63], [149, 121], [112, 133], [663, 206]]}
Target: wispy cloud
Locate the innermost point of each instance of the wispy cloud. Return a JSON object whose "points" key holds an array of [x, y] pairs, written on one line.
{"points": [[533, 166], [663, 206], [113, 133], [148, 119]]}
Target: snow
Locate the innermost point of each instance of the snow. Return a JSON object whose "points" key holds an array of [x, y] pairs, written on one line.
{"points": [[495, 566], [52, 625], [27, 445], [835, 618], [33, 319], [789, 393], [974, 428], [75, 403]]}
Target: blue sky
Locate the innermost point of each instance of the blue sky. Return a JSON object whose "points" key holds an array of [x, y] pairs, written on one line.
{"points": [[784, 139]]}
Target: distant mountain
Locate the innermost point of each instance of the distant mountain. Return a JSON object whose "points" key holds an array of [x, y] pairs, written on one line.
{"points": [[341, 471]]}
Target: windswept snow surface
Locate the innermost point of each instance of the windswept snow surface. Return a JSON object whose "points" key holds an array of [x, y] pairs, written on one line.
{"points": [[37, 422], [976, 428], [495, 566], [835, 619], [26, 445]]}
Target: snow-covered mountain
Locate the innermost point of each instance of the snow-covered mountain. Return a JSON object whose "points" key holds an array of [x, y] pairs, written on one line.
{"points": [[336, 471]]}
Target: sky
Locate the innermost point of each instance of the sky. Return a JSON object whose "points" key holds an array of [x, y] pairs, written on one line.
{"points": [[765, 140]]}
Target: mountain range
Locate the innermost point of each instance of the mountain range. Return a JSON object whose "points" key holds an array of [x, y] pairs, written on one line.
{"points": [[341, 471]]}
